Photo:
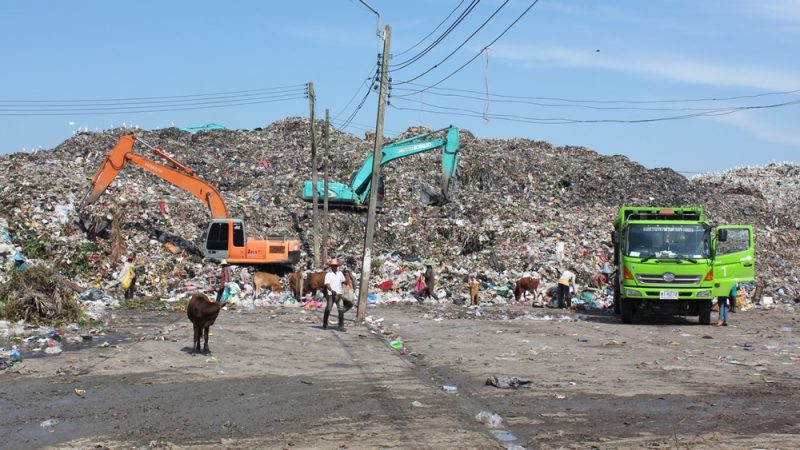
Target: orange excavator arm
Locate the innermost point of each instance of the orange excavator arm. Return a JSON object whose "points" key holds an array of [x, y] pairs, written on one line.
{"points": [[180, 176]]}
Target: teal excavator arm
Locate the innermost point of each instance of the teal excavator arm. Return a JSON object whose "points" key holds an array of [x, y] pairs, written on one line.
{"points": [[357, 192]]}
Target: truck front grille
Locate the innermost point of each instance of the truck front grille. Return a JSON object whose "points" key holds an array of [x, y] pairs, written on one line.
{"points": [[680, 280]]}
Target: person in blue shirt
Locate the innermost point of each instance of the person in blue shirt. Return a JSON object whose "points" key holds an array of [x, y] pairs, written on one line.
{"points": [[723, 306]]}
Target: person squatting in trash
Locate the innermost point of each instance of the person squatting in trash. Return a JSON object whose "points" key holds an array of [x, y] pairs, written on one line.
{"points": [[334, 284]]}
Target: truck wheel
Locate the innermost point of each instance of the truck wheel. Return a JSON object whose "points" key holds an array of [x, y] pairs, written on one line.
{"points": [[626, 307], [616, 298], [704, 311]]}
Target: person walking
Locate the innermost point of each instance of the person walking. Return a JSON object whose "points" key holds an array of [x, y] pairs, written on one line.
{"points": [[224, 278], [723, 306], [565, 282], [334, 284]]}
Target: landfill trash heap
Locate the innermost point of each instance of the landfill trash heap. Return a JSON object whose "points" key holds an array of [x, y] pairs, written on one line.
{"points": [[517, 207]]}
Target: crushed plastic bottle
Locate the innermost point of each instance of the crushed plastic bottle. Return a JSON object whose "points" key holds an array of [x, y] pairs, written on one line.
{"points": [[48, 423], [491, 419], [450, 388]]}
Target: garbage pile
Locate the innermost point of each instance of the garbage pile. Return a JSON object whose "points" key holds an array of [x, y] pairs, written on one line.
{"points": [[518, 207]]}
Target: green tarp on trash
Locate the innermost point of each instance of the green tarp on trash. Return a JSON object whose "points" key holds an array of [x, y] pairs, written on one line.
{"points": [[206, 127]]}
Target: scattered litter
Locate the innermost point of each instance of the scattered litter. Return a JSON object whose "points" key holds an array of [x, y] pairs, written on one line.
{"points": [[504, 382], [491, 419]]}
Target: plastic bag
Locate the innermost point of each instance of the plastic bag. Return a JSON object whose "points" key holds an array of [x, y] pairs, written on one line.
{"points": [[128, 278]]}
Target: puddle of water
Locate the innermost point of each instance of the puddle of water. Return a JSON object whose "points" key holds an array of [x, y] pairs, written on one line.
{"points": [[113, 339], [507, 439]]}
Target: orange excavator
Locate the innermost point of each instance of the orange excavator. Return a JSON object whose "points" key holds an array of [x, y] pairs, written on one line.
{"points": [[225, 237]]}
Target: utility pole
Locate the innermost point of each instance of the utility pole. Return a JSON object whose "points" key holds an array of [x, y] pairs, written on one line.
{"points": [[376, 166], [327, 224], [314, 218]]}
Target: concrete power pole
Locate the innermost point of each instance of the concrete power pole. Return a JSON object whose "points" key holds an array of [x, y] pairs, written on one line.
{"points": [[327, 158], [314, 195], [376, 166]]}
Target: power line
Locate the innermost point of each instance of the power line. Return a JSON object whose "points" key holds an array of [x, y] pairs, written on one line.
{"points": [[361, 126], [561, 99], [456, 23], [459, 46], [564, 121], [482, 50], [366, 82], [495, 98], [432, 31], [143, 109], [144, 105], [289, 88], [356, 111]]}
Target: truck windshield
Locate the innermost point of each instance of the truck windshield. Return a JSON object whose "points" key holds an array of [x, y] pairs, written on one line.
{"points": [[665, 241]]}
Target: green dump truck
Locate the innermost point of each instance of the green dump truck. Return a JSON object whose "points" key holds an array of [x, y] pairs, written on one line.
{"points": [[672, 260]]}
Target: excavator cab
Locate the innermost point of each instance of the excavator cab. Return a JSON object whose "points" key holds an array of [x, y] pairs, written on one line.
{"points": [[225, 238]]}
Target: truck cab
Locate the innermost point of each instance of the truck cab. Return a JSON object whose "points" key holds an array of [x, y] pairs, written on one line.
{"points": [[672, 260]]}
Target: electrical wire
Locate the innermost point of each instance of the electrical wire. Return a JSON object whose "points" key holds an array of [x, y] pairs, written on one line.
{"points": [[480, 52], [510, 100], [432, 31], [356, 110], [366, 82], [561, 99], [456, 23], [563, 121], [280, 89], [499, 8], [129, 110], [145, 105]]}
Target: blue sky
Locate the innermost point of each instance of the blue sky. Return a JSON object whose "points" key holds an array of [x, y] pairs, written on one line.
{"points": [[597, 74]]}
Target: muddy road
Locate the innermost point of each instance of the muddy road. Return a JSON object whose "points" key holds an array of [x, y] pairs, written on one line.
{"points": [[275, 379]]}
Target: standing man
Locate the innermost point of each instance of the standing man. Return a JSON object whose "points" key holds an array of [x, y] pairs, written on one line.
{"points": [[224, 277], [334, 282], [430, 278], [566, 281], [723, 306]]}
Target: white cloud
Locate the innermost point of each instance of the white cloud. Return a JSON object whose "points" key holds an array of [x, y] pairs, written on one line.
{"points": [[766, 130], [677, 68], [782, 10]]}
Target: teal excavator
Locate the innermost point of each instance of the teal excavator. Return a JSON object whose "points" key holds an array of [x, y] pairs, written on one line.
{"points": [[357, 192]]}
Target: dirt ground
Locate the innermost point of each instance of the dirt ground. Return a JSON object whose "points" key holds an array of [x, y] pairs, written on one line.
{"points": [[275, 379]]}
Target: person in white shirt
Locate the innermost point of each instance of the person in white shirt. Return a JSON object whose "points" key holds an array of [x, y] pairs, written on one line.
{"points": [[566, 281], [334, 282]]}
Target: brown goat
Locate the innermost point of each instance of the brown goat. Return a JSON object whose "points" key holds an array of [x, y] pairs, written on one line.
{"points": [[525, 285], [202, 312], [265, 280]]}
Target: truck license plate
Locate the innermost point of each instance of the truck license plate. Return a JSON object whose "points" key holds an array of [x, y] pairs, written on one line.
{"points": [[668, 295]]}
